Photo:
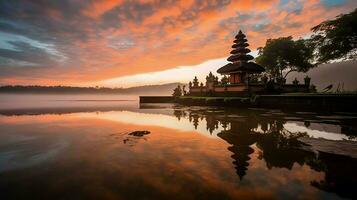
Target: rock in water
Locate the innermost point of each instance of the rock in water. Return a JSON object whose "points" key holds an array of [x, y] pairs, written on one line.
{"points": [[139, 133]]}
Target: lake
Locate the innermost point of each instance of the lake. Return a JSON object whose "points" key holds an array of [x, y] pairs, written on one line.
{"points": [[89, 147]]}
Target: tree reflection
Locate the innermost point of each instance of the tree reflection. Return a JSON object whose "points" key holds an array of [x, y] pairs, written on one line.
{"points": [[279, 147], [340, 174]]}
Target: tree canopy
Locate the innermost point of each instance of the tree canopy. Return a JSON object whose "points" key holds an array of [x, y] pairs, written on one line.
{"points": [[177, 91], [285, 55], [336, 39]]}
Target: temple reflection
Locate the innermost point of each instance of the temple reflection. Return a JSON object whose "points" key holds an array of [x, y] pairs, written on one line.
{"points": [[278, 147]]}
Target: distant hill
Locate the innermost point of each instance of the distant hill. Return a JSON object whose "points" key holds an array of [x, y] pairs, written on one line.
{"points": [[343, 73], [164, 89]]}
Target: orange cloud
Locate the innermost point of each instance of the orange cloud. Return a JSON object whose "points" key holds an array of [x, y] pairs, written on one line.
{"points": [[99, 7], [109, 39]]}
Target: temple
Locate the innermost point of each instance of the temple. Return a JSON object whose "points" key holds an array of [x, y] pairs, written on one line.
{"points": [[241, 76], [240, 66]]}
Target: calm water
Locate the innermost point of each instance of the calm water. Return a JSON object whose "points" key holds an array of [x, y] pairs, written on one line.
{"points": [[65, 147]]}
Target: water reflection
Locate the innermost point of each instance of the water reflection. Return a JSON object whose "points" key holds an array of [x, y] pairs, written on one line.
{"points": [[331, 127], [278, 147], [132, 138], [104, 152]]}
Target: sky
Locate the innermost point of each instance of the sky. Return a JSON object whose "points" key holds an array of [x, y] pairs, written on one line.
{"points": [[118, 43]]}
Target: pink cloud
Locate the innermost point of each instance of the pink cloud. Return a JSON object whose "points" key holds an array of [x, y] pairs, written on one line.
{"points": [[109, 39]]}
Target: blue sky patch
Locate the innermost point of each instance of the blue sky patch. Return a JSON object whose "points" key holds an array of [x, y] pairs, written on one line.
{"points": [[332, 3]]}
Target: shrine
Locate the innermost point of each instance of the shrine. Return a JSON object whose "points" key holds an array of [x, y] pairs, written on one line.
{"points": [[241, 76]]}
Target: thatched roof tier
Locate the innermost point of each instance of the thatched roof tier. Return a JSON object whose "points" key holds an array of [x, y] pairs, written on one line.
{"points": [[241, 50], [249, 67], [240, 57], [240, 36], [239, 41], [240, 45]]}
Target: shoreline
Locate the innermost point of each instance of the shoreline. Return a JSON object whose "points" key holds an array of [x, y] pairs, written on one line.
{"points": [[327, 102]]}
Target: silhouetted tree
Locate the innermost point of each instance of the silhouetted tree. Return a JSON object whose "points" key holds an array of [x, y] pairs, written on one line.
{"points": [[184, 92], [336, 39], [224, 80], [177, 91], [195, 82], [285, 55]]}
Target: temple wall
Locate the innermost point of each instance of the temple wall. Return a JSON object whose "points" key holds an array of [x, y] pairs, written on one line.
{"points": [[210, 86], [295, 88], [235, 78], [241, 89], [231, 79], [256, 88], [238, 88], [229, 90], [308, 102], [156, 99], [198, 89], [219, 89]]}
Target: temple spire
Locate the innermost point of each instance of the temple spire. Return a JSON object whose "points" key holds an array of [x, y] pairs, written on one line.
{"points": [[240, 50], [240, 63]]}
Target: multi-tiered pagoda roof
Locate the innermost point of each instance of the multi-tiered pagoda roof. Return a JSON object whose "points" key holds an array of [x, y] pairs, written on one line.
{"points": [[240, 60]]}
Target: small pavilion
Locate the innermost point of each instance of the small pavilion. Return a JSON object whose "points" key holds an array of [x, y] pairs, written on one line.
{"points": [[240, 66]]}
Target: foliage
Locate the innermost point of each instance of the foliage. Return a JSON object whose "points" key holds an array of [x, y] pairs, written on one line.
{"points": [[184, 92], [210, 77], [336, 39], [285, 54], [312, 88], [195, 82], [295, 82], [177, 91], [224, 80], [307, 80]]}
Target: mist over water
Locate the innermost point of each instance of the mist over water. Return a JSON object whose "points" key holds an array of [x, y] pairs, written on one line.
{"points": [[17, 101], [110, 146]]}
